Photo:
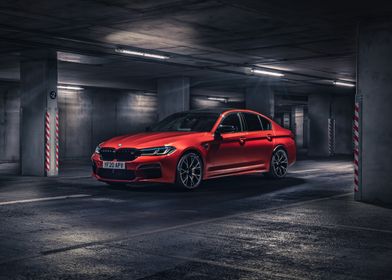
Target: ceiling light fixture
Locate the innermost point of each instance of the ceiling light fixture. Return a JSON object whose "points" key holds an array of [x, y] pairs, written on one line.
{"points": [[343, 84], [69, 87], [264, 72], [220, 99], [142, 54]]}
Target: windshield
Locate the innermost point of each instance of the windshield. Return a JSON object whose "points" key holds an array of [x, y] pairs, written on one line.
{"points": [[199, 122]]}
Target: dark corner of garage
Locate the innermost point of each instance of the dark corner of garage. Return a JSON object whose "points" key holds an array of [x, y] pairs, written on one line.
{"points": [[212, 139]]}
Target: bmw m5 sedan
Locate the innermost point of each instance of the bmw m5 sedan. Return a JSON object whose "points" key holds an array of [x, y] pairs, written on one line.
{"points": [[189, 147]]}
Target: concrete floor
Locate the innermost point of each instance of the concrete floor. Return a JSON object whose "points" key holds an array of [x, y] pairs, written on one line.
{"points": [[306, 226]]}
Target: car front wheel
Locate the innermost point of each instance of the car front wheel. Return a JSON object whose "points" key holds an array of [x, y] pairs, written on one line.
{"points": [[189, 171], [279, 164]]}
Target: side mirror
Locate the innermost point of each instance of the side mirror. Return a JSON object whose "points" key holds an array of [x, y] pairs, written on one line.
{"points": [[217, 135], [224, 129]]}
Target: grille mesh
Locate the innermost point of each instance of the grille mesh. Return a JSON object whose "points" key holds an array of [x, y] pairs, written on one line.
{"points": [[125, 154]]}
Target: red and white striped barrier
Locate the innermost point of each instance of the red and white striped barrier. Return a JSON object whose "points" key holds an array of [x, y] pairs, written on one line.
{"points": [[47, 142], [356, 145], [51, 143], [57, 141]]}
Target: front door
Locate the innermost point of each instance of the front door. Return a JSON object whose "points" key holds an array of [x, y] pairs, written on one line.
{"points": [[225, 155]]}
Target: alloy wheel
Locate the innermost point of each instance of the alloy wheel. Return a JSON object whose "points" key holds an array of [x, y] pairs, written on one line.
{"points": [[190, 170], [280, 163]]}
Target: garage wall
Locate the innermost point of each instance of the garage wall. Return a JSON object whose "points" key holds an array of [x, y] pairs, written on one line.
{"points": [[343, 112], [319, 112], [9, 123], [199, 99], [341, 109], [86, 118], [91, 116]]}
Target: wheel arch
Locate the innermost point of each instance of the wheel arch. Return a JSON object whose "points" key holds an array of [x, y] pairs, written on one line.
{"points": [[194, 150], [280, 146]]}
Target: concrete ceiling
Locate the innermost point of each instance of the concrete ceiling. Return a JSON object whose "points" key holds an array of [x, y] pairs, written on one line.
{"points": [[215, 42]]}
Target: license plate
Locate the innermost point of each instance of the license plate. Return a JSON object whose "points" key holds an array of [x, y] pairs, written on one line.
{"points": [[113, 165]]}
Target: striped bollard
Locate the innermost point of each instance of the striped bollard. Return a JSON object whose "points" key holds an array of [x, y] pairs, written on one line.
{"points": [[356, 137], [57, 142], [47, 142]]}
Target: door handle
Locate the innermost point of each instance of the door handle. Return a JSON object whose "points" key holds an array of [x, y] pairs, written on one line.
{"points": [[242, 140], [269, 137]]}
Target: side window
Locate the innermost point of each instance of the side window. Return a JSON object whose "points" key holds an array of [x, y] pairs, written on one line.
{"points": [[232, 120], [266, 123], [252, 122]]}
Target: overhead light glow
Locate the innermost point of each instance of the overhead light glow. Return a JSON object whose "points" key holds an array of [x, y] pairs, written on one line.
{"points": [[220, 99], [69, 87], [343, 84], [142, 54], [264, 72]]}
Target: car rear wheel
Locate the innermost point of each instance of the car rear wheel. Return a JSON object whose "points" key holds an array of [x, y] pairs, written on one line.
{"points": [[279, 164], [189, 171]]}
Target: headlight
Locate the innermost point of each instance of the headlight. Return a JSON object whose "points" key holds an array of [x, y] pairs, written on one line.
{"points": [[157, 151], [97, 149]]}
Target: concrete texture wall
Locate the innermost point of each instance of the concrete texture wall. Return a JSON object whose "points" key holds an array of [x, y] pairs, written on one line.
{"points": [[9, 123], [93, 115], [173, 96], [198, 102], [87, 118], [341, 109], [343, 112], [319, 112], [298, 117], [199, 99], [261, 98], [38, 77], [374, 86]]}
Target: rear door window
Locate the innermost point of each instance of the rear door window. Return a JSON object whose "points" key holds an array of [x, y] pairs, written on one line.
{"points": [[266, 123], [252, 122]]}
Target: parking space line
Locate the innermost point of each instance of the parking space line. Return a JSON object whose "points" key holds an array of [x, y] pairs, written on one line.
{"points": [[44, 199]]}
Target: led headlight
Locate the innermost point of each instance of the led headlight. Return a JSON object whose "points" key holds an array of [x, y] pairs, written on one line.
{"points": [[157, 151], [98, 149]]}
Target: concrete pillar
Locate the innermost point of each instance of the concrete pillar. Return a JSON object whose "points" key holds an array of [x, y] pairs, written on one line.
{"points": [[319, 112], [173, 96], [342, 112], [298, 116], [374, 88], [260, 98], [38, 77]]}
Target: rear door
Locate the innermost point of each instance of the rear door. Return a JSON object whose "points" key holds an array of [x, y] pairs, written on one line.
{"points": [[258, 143]]}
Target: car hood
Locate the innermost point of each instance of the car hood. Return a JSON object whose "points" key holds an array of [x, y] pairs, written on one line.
{"points": [[148, 139]]}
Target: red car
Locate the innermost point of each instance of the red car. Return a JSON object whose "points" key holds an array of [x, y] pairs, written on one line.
{"points": [[189, 147]]}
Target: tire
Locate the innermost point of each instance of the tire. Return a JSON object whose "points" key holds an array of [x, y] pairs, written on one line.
{"points": [[278, 165], [189, 173]]}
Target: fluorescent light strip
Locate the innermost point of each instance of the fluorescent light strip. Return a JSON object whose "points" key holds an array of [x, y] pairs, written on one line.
{"points": [[264, 72], [343, 84], [220, 99], [143, 54], [70, 87]]}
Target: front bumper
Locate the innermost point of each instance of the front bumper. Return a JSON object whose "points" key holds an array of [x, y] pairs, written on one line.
{"points": [[160, 169]]}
